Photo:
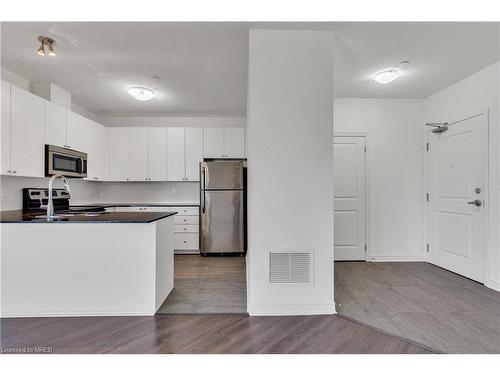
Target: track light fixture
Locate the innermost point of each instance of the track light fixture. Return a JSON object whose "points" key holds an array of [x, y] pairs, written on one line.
{"points": [[46, 46]]}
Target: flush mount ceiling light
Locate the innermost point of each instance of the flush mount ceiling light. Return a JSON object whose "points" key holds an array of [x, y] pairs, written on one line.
{"points": [[141, 93], [386, 76], [389, 75], [46, 46]]}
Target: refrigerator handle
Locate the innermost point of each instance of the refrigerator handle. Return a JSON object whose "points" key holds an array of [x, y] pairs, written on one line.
{"points": [[202, 187]]}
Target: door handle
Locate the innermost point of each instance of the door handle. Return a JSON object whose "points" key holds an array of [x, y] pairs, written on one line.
{"points": [[202, 186], [476, 203]]}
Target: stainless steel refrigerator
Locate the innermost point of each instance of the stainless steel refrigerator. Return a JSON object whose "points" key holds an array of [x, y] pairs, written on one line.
{"points": [[222, 207]]}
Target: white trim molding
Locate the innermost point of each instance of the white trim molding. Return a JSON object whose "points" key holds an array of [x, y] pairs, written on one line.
{"points": [[291, 309]]}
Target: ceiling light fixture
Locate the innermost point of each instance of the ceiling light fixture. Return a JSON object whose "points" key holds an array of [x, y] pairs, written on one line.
{"points": [[141, 93], [389, 75], [386, 76], [46, 42]]}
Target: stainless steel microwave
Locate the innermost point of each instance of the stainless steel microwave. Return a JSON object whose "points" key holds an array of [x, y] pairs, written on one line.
{"points": [[64, 161]]}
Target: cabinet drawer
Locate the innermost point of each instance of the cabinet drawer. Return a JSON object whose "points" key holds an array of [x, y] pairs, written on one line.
{"points": [[186, 241], [185, 220], [179, 228], [186, 211]]}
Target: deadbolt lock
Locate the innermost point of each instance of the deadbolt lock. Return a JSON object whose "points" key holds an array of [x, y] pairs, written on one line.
{"points": [[478, 191]]}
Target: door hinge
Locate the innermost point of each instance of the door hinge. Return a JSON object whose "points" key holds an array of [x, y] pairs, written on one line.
{"points": [[427, 247], [427, 196], [365, 149], [427, 147], [366, 247]]}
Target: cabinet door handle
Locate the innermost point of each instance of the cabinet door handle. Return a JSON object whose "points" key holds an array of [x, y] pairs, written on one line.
{"points": [[9, 171], [14, 171]]}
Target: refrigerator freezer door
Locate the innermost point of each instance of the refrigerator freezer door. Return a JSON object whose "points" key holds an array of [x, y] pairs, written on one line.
{"points": [[223, 175], [222, 222]]}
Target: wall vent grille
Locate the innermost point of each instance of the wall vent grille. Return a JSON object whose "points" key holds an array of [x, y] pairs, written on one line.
{"points": [[290, 267]]}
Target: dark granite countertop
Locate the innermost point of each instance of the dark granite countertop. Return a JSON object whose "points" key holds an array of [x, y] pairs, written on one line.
{"points": [[17, 216], [107, 205]]}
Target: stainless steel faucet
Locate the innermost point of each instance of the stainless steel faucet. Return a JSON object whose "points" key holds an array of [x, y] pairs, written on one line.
{"points": [[50, 204]]}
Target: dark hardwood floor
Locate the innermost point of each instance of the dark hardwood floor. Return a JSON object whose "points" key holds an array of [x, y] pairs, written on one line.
{"points": [[217, 333], [422, 303], [204, 285]]}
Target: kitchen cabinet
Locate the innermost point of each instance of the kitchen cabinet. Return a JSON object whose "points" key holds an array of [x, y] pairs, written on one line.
{"points": [[157, 154], [26, 134], [5, 131], [55, 124], [119, 154], [176, 170], [137, 154], [139, 157], [194, 153], [213, 142], [224, 143], [78, 132], [97, 169], [234, 143], [184, 153]]}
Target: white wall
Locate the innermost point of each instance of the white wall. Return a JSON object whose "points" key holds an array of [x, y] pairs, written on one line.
{"points": [[472, 95], [149, 192], [15, 79], [88, 192], [394, 173], [290, 166], [82, 192]]}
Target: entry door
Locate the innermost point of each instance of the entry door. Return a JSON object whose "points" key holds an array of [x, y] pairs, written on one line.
{"points": [[457, 183], [349, 192]]}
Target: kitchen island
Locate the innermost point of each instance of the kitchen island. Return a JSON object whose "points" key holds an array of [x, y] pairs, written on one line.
{"points": [[113, 263]]}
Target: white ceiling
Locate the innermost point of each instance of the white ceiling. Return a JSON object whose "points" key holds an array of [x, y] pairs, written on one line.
{"points": [[203, 66]]}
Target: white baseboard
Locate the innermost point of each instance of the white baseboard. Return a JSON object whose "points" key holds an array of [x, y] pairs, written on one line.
{"points": [[64, 314], [291, 309], [495, 285], [396, 258]]}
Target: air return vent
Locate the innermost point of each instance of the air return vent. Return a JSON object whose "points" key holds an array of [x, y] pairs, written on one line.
{"points": [[290, 267]]}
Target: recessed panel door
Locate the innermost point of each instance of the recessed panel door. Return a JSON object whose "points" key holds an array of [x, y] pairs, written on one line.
{"points": [[456, 207], [349, 193]]}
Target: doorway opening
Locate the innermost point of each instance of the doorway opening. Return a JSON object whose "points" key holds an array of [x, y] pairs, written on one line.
{"points": [[212, 277]]}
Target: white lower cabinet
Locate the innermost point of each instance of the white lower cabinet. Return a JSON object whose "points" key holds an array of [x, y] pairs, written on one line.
{"points": [[186, 243]]}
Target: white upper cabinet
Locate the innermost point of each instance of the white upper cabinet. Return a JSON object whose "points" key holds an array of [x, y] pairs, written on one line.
{"points": [[176, 170], [26, 133], [194, 153], [139, 155], [234, 142], [224, 143], [55, 124], [157, 154], [213, 142], [5, 131], [97, 153], [119, 154], [78, 132]]}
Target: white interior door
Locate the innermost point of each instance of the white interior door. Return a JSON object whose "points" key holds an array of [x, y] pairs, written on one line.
{"points": [[350, 201], [456, 181]]}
